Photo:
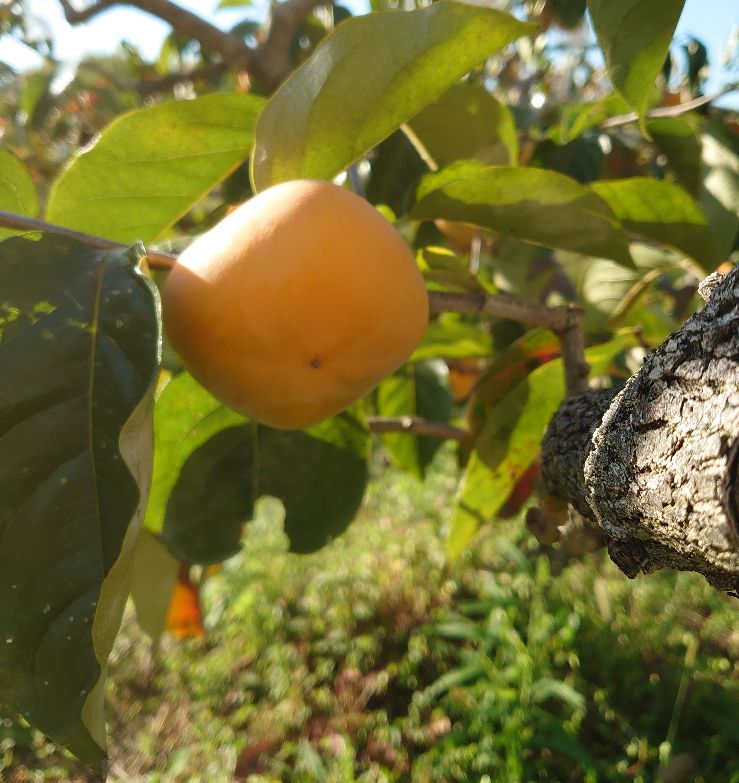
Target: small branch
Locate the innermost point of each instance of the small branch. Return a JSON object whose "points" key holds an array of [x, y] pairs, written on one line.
{"points": [[668, 111], [78, 17], [157, 260], [495, 306], [272, 62], [412, 425], [572, 340], [232, 49]]}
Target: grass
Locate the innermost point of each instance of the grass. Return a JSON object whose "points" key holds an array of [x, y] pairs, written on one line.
{"points": [[375, 660]]}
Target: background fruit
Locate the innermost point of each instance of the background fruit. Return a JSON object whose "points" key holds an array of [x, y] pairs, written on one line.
{"points": [[296, 304]]}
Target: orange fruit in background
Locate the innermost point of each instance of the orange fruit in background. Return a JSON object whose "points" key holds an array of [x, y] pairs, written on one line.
{"points": [[296, 304], [460, 235]]}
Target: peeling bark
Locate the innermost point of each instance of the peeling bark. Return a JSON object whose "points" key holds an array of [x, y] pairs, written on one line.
{"points": [[656, 465]]}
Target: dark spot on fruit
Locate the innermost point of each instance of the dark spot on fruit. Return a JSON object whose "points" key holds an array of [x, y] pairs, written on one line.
{"points": [[315, 362]]}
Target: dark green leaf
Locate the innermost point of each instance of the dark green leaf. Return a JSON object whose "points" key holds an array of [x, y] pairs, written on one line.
{"points": [[510, 439], [150, 166], [370, 75], [79, 340], [582, 159], [396, 169], [17, 191], [417, 390], [534, 205], [569, 12], [635, 36], [675, 137], [465, 122], [211, 466], [659, 211]]}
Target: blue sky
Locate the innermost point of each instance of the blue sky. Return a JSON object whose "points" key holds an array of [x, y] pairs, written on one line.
{"points": [[711, 21]]}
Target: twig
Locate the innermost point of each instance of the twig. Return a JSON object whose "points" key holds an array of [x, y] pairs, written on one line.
{"points": [[157, 260], [669, 111], [557, 319], [412, 425], [270, 62], [232, 49], [572, 340]]}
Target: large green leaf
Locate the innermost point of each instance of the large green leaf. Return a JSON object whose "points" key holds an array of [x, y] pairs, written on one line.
{"points": [[659, 211], [510, 440], [465, 122], [364, 80], [211, 465], [149, 167], [635, 36], [415, 390], [17, 191], [79, 345], [534, 205]]}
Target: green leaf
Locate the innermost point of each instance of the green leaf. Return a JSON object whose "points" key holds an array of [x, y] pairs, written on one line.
{"points": [[465, 122], [448, 337], [534, 205], [152, 583], [372, 74], [17, 191], [416, 390], [659, 211], [676, 138], [720, 192], [580, 118], [211, 466], [635, 36], [546, 688], [448, 270], [186, 417], [150, 166], [79, 345], [510, 440]]}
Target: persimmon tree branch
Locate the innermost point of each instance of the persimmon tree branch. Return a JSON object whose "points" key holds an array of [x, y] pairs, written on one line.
{"points": [[565, 322], [669, 111], [269, 62], [413, 425]]}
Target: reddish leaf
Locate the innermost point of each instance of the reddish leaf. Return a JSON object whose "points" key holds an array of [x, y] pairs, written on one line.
{"points": [[521, 492], [185, 618], [509, 368]]}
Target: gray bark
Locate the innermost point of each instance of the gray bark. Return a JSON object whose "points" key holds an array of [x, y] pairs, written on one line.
{"points": [[655, 466]]}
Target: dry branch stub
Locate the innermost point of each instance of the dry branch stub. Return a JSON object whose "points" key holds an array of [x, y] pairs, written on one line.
{"points": [[656, 465]]}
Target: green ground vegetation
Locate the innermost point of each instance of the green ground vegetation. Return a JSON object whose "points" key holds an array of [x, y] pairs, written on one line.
{"points": [[376, 660]]}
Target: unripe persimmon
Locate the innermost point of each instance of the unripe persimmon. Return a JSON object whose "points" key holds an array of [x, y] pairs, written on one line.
{"points": [[296, 304]]}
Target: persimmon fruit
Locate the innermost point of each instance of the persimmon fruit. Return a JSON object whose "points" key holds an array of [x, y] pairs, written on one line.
{"points": [[296, 304]]}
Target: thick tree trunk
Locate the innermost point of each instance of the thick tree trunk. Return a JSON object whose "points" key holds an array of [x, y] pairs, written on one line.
{"points": [[656, 466]]}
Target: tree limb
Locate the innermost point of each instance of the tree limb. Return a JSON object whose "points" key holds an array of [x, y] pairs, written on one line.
{"points": [[656, 466], [269, 62]]}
